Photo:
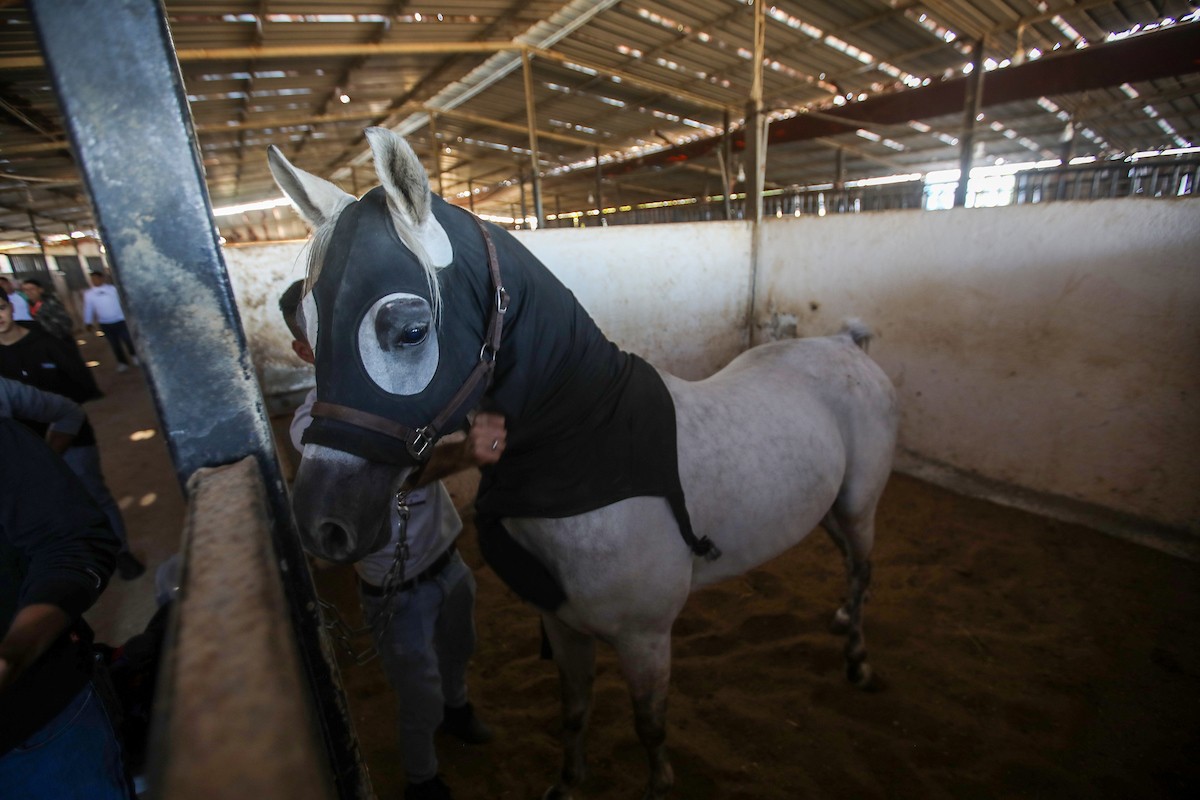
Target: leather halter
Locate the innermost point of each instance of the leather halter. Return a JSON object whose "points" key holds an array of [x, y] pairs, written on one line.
{"points": [[419, 441]]}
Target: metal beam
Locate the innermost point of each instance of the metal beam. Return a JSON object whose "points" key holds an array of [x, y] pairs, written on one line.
{"points": [[630, 78], [263, 52], [113, 70], [1152, 56], [511, 126]]}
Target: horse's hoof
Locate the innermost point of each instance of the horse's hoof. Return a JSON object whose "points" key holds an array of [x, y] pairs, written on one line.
{"points": [[840, 624], [865, 679]]}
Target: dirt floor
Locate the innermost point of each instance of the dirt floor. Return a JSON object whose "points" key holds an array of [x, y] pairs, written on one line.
{"points": [[1020, 658]]}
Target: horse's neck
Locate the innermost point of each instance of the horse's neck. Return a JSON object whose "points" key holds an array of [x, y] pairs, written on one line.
{"points": [[552, 352]]}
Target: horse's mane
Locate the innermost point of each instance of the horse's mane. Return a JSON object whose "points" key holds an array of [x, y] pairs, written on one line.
{"points": [[318, 248]]}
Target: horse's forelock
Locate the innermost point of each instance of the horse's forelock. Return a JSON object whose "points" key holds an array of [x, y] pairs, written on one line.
{"points": [[411, 237]]}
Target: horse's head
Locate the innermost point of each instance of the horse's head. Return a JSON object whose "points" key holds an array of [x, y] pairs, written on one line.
{"points": [[392, 359]]}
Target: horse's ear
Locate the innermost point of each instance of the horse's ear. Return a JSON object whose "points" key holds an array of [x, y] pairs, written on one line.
{"points": [[401, 173], [315, 198]]}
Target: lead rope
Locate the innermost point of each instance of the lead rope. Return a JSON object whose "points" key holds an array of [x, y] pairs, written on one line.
{"points": [[341, 631]]}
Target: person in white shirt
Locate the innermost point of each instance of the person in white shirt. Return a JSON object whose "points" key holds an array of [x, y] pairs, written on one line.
{"points": [[20, 307], [102, 305], [425, 629]]}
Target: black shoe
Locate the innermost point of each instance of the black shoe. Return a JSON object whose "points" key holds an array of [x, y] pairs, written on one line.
{"points": [[432, 789], [462, 723], [128, 567]]}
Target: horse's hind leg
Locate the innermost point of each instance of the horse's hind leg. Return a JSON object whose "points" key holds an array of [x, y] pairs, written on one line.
{"points": [[854, 534], [575, 655], [646, 664]]}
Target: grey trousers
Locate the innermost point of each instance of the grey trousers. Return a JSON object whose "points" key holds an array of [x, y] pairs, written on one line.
{"points": [[424, 652]]}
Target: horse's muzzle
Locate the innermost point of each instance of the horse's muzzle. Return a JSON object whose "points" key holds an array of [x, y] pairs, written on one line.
{"points": [[342, 504]]}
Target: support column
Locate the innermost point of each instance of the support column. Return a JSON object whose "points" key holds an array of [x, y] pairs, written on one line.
{"points": [[524, 208], [599, 192], [531, 120], [727, 165], [471, 194], [971, 105], [37, 234], [436, 151], [756, 124], [113, 68]]}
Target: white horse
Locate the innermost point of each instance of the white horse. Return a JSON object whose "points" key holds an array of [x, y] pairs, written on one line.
{"points": [[788, 436]]}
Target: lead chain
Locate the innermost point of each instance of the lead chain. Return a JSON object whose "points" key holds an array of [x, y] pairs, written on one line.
{"points": [[342, 632]]}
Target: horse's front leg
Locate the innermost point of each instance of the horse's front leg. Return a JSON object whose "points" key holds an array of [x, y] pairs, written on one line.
{"points": [[575, 655], [645, 660]]}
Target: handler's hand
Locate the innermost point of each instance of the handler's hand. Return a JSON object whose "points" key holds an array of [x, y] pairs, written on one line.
{"points": [[33, 630], [486, 441]]}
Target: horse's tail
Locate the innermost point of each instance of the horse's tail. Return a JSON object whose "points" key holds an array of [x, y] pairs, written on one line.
{"points": [[858, 331]]}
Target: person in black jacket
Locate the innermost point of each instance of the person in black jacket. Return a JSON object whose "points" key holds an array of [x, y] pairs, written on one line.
{"points": [[57, 553], [32, 356]]}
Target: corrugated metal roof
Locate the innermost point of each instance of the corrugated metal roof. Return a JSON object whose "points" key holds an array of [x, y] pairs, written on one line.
{"points": [[628, 78]]}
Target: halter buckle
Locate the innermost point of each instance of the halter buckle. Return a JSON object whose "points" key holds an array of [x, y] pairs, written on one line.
{"points": [[421, 443], [501, 300]]}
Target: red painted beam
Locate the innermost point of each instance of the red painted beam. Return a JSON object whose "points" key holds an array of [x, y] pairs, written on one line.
{"points": [[1162, 54]]}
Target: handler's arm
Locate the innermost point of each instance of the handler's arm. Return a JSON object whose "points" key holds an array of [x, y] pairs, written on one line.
{"points": [[483, 445], [70, 550]]}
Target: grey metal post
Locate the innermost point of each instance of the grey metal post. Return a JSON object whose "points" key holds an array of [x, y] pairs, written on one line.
{"points": [[534, 157], [756, 125], [117, 79], [524, 208], [435, 152], [727, 178], [971, 105], [599, 194]]}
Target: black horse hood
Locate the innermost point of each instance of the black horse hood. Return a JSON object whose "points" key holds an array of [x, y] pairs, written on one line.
{"points": [[542, 356]]}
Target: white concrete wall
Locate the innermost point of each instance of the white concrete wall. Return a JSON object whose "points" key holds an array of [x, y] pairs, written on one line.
{"points": [[677, 295], [1051, 347]]}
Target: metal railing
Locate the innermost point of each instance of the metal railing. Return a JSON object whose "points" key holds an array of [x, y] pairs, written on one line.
{"points": [[1148, 178], [1103, 180]]}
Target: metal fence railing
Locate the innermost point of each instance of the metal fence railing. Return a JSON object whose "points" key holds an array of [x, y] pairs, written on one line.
{"points": [[1101, 180]]}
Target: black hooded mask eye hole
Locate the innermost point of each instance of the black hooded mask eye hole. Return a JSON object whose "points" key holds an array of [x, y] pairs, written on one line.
{"points": [[398, 343]]}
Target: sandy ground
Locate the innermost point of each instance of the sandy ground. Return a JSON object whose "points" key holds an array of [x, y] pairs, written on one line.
{"points": [[1020, 658]]}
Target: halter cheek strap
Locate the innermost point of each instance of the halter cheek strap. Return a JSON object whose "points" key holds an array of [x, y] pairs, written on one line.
{"points": [[419, 441]]}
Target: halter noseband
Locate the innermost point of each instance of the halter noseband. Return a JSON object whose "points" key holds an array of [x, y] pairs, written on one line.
{"points": [[419, 441]]}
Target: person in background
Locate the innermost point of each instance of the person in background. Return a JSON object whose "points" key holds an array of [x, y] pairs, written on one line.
{"points": [[33, 357], [48, 311], [57, 552], [19, 304], [425, 627], [102, 304]]}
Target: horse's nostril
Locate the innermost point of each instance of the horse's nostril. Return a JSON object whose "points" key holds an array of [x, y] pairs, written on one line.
{"points": [[334, 539]]}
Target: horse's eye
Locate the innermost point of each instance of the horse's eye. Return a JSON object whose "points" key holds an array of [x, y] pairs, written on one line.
{"points": [[413, 335]]}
